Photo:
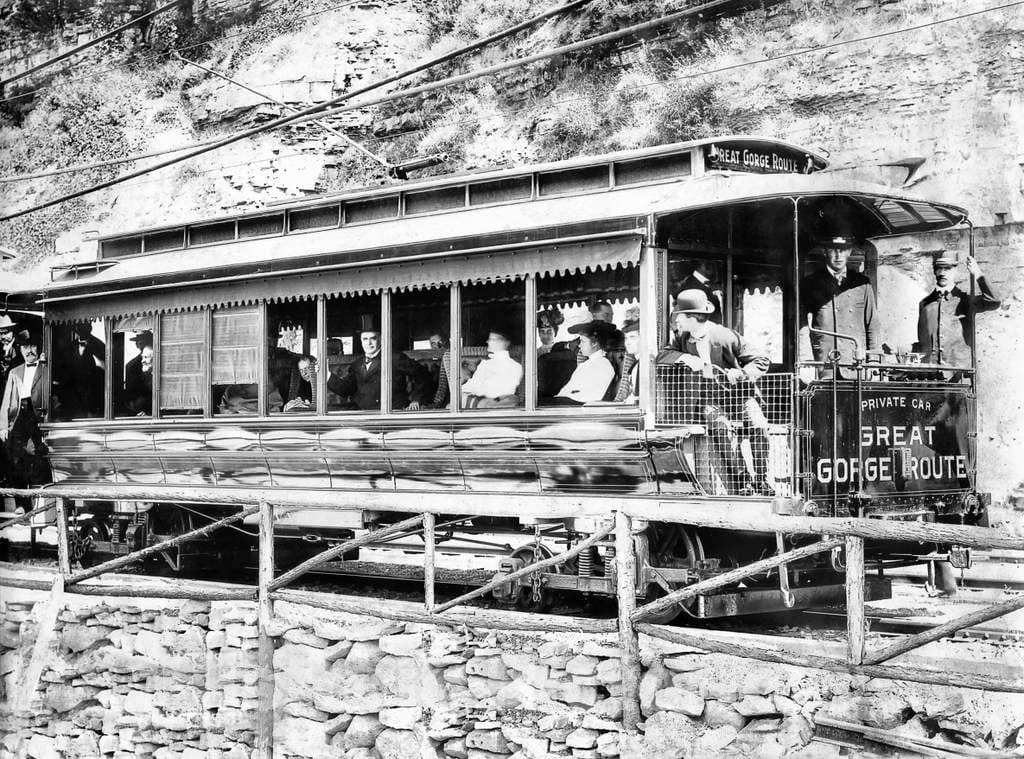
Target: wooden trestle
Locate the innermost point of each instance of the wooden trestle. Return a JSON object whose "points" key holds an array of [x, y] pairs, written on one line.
{"points": [[618, 516]]}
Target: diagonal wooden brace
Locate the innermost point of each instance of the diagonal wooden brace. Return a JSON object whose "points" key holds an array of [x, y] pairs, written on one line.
{"points": [[121, 561], [666, 602], [24, 517], [529, 569], [371, 537], [911, 642]]}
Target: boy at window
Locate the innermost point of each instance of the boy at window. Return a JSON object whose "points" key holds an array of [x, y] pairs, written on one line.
{"points": [[497, 377], [593, 377]]}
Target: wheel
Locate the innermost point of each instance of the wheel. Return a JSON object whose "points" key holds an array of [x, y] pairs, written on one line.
{"points": [[676, 546], [522, 595], [80, 543]]}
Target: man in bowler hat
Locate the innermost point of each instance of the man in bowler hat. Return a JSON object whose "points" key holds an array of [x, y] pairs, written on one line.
{"points": [[362, 380]]}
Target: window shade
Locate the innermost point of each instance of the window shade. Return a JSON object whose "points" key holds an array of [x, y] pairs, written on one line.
{"points": [[236, 336], [182, 360]]}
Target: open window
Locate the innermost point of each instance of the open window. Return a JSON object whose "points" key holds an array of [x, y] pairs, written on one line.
{"points": [[79, 370], [353, 353], [132, 365], [584, 321], [292, 357], [419, 338], [493, 338]]}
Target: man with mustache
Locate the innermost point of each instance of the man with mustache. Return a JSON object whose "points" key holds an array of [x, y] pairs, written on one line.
{"points": [[22, 409]]}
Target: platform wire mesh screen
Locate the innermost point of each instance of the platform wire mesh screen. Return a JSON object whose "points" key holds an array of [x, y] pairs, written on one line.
{"points": [[738, 437]]}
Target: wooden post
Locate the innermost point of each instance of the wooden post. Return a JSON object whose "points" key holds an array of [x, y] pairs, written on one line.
{"points": [[428, 561], [855, 624], [265, 652], [63, 553], [629, 642]]}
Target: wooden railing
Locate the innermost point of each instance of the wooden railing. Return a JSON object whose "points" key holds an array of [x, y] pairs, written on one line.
{"points": [[614, 517]]}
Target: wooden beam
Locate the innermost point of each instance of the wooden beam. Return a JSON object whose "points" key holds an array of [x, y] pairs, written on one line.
{"points": [[855, 623], [264, 748], [407, 611], [529, 569], [629, 642], [669, 600], [121, 561], [324, 556], [756, 517], [920, 745], [140, 590], [429, 552], [887, 672], [46, 613], [910, 642], [27, 515], [63, 552]]}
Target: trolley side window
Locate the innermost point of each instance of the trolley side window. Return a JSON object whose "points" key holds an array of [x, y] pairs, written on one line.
{"points": [[292, 357], [132, 359], [235, 369], [353, 349], [492, 328], [182, 356], [79, 370], [419, 341], [588, 340]]}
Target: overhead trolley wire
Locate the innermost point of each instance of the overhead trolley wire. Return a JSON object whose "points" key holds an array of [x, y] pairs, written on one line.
{"points": [[642, 85]]}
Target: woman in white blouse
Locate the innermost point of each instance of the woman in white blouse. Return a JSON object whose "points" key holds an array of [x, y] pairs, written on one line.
{"points": [[593, 377]]}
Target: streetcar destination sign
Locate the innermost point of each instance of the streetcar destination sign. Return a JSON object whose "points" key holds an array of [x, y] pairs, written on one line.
{"points": [[755, 158]]}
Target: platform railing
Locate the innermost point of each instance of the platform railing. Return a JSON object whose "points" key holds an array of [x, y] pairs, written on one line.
{"points": [[618, 517]]}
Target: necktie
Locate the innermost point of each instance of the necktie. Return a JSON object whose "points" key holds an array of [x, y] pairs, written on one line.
{"points": [[704, 353]]}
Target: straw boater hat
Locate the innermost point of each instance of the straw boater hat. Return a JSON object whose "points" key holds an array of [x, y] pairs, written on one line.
{"points": [[7, 324], [694, 302]]}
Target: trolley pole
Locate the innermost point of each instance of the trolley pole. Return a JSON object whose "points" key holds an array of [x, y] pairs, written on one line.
{"points": [[629, 642], [265, 652]]}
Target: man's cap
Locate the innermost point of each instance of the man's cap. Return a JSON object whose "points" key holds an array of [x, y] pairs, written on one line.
{"points": [[631, 325], [27, 337], [601, 331], [694, 302], [143, 339], [7, 324], [369, 323], [945, 259], [821, 244]]}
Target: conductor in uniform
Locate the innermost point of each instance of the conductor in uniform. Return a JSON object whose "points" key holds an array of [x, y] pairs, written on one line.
{"points": [[945, 321], [362, 380]]}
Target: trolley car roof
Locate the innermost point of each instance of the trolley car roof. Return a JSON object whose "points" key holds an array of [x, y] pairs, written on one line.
{"points": [[540, 235]]}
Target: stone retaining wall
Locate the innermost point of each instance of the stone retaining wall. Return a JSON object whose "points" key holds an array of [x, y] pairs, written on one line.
{"points": [[179, 679]]}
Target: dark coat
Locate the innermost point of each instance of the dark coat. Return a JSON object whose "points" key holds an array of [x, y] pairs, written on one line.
{"points": [[728, 350], [138, 388], [848, 309], [12, 394], [7, 362], [929, 325], [361, 383]]}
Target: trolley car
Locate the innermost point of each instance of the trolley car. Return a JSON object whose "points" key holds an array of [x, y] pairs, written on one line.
{"points": [[247, 322]]}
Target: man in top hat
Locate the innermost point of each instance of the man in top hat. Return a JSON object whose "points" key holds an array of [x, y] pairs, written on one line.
{"points": [[22, 409], [701, 345], [362, 381], [497, 377], [628, 390], [10, 356], [138, 377], [945, 321], [838, 299], [594, 376], [700, 279]]}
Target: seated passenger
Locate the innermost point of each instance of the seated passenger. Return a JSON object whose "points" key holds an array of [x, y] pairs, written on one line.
{"points": [[593, 377], [362, 380], [302, 390], [548, 322], [628, 390], [497, 377], [138, 377], [702, 346]]}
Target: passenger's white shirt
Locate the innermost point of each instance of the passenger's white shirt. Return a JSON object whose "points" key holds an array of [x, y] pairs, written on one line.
{"points": [[495, 376], [591, 379], [26, 383]]}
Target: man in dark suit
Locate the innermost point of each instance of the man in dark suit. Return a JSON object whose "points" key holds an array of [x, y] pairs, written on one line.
{"points": [[21, 410], [945, 321], [10, 356], [702, 278], [362, 381], [138, 377], [838, 299], [702, 346]]}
